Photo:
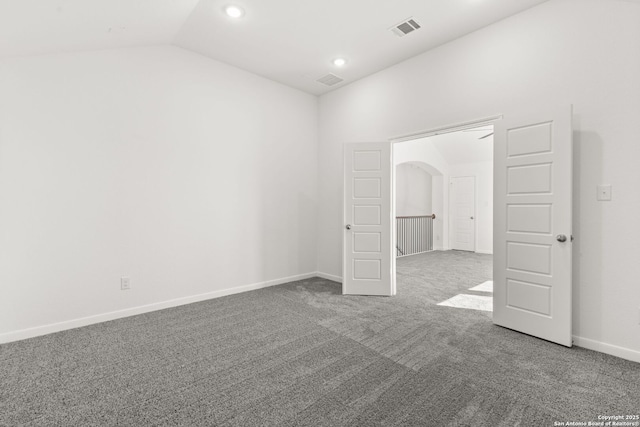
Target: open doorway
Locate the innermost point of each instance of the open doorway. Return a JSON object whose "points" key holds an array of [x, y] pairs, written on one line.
{"points": [[532, 252], [444, 197]]}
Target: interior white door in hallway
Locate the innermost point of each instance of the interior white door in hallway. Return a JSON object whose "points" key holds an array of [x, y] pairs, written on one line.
{"points": [[462, 202], [532, 223], [368, 262]]}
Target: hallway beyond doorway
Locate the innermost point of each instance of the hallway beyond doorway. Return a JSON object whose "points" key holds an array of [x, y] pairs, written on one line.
{"points": [[435, 277]]}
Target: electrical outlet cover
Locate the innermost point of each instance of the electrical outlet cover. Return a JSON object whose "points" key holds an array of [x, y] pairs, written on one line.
{"points": [[604, 193]]}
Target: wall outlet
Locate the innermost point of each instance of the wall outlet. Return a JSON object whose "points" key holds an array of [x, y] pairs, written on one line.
{"points": [[125, 283], [604, 193]]}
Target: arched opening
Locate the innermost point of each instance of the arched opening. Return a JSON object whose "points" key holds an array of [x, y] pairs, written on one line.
{"points": [[419, 207]]}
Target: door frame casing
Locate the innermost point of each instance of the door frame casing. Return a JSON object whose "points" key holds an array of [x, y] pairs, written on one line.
{"points": [[441, 130]]}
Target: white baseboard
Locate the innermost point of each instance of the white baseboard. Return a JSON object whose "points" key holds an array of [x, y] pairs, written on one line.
{"points": [[105, 317], [485, 252], [613, 350], [329, 276], [622, 352]]}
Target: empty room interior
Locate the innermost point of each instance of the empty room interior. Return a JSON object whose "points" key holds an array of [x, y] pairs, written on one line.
{"points": [[242, 212]]}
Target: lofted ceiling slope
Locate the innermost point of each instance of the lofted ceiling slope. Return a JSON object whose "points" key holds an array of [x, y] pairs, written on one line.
{"points": [[290, 41], [33, 27], [294, 42]]}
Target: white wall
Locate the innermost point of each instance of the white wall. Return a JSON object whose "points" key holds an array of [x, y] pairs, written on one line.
{"points": [[413, 191], [580, 52], [187, 175], [483, 173]]}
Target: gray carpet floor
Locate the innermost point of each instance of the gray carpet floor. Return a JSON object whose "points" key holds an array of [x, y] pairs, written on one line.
{"points": [[302, 354]]}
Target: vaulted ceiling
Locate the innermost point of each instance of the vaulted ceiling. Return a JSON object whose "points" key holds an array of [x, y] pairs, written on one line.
{"points": [[290, 41]]}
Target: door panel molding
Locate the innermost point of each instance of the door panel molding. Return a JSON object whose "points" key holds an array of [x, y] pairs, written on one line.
{"points": [[368, 256], [532, 205]]}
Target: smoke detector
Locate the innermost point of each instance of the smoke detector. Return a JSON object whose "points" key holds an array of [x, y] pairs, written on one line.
{"points": [[407, 26], [330, 80]]}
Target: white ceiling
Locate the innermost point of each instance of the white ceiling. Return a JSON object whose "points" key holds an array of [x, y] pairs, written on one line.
{"points": [[30, 27], [464, 146], [289, 41]]}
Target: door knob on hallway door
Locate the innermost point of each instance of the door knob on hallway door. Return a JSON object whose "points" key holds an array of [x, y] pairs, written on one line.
{"points": [[348, 227], [471, 218], [561, 238]]}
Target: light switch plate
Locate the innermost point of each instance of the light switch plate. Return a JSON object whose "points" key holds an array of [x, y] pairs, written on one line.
{"points": [[604, 193]]}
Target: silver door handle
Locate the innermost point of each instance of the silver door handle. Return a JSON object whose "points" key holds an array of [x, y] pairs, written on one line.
{"points": [[348, 227], [471, 218], [561, 238]]}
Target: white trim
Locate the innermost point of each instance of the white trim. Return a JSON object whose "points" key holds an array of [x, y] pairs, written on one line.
{"points": [[329, 276], [485, 252], [622, 352], [448, 129], [104, 317], [614, 350]]}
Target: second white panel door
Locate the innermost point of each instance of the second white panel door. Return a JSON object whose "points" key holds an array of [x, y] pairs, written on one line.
{"points": [[462, 203]]}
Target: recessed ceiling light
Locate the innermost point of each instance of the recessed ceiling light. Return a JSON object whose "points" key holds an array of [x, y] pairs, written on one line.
{"points": [[339, 62], [234, 11]]}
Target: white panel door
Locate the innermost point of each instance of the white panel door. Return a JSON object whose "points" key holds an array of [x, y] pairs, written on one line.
{"points": [[532, 224], [462, 206], [368, 264]]}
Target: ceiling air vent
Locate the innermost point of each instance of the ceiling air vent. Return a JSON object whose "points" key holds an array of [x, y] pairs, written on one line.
{"points": [[330, 79], [405, 27]]}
